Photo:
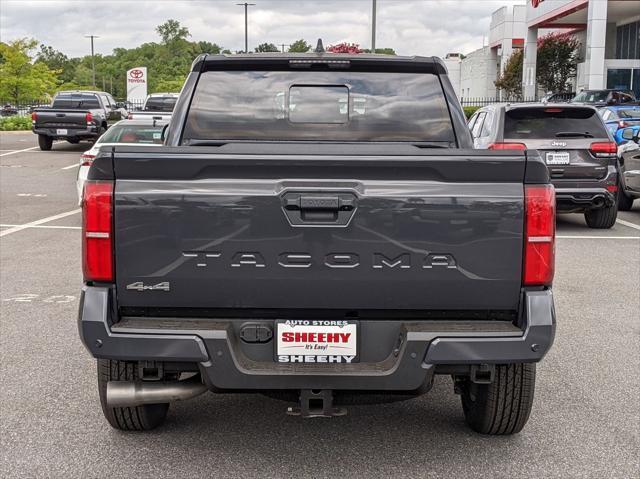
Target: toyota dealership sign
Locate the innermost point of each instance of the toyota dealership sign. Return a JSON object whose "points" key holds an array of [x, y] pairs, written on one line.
{"points": [[137, 84]]}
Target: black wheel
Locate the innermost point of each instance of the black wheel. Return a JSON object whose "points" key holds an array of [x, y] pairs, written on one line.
{"points": [[138, 418], [502, 407], [73, 141], [625, 202], [45, 142], [603, 218]]}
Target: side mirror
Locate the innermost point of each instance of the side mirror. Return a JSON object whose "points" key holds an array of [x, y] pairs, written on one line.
{"points": [[628, 134]]}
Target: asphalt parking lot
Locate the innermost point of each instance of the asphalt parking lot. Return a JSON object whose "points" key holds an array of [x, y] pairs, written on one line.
{"points": [[585, 422]]}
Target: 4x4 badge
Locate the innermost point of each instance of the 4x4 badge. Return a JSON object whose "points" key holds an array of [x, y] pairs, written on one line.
{"points": [[140, 286]]}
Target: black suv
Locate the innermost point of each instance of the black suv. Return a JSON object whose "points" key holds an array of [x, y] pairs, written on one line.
{"points": [[600, 98], [575, 145]]}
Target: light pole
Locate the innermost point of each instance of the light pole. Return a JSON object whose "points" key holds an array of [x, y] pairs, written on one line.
{"points": [[284, 45], [373, 26], [246, 24], [93, 60]]}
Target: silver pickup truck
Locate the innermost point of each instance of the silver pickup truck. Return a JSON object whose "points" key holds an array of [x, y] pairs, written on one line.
{"points": [[157, 106], [317, 228]]}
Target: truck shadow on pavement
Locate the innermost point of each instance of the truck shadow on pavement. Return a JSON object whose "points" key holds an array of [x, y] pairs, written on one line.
{"points": [[69, 147], [428, 431]]}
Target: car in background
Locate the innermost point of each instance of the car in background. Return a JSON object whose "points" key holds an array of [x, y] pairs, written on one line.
{"points": [[158, 106], [573, 142], [601, 98], [8, 110], [125, 132], [629, 164], [617, 118], [562, 97], [75, 116]]}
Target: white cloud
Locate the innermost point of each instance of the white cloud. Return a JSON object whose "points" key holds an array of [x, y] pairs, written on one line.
{"points": [[426, 27]]}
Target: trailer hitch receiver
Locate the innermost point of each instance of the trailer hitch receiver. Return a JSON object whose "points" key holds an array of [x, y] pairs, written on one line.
{"points": [[316, 403]]}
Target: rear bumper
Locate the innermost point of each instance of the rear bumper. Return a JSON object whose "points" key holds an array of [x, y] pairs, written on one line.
{"points": [[573, 196], [72, 133], [570, 200], [416, 349]]}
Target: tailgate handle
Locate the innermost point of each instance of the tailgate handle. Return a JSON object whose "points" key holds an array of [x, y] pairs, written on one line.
{"points": [[326, 203], [317, 209]]}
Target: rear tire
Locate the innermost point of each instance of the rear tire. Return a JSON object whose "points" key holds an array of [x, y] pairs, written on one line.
{"points": [[45, 142], [137, 418], [603, 218], [502, 407], [625, 202]]}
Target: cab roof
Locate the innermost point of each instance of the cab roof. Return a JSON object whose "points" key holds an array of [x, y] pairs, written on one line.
{"points": [[323, 61]]}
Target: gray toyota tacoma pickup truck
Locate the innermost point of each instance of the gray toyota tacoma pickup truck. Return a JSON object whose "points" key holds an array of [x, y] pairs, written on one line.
{"points": [[75, 116], [317, 228]]}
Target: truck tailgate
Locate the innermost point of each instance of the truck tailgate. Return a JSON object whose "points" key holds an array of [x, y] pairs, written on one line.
{"points": [[57, 118], [436, 230]]}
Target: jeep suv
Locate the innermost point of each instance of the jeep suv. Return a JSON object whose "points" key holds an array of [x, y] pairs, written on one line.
{"points": [[574, 144]]}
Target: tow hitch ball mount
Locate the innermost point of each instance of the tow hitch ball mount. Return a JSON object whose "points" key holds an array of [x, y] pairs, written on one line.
{"points": [[316, 403]]}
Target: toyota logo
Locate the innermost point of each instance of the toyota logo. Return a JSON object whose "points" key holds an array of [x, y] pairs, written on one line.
{"points": [[136, 73]]}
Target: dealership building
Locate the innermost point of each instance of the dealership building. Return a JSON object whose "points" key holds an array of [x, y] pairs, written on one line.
{"points": [[608, 31]]}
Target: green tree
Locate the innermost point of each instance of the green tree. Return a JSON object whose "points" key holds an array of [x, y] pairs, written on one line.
{"points": [[510, 80], [557, 61], [54, 59], [266, 47], [169, 85], [208, 47], [299, 46], [58, 61], [20, 79], [171, 30]]}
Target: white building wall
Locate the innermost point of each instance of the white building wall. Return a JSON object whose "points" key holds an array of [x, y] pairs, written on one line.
{"points": [[477, 74], [506, 25], [454, 66]]}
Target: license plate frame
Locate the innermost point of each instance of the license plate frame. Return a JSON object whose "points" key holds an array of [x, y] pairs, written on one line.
{"points": [[317, 349], [557, 158], [62, 131]]}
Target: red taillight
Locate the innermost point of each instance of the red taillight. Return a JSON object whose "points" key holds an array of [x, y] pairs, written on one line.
{"points": [[540, 233], [89, 117], [605, 147], [507, 146], [86, 160], [34, 116], [97, 238], [612, 188]]}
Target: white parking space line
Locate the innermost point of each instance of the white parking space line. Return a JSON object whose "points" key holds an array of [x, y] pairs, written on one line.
{"points": [[19, 151], [15, 229], [599, 237], [629, 224], [70, 166], [52, 227]]}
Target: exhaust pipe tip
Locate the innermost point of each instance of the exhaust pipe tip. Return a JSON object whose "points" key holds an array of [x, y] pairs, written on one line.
{"points": [[139, 393]]}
